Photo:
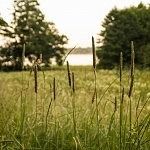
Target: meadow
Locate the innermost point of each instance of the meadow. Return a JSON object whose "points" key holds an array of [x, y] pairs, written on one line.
{"points": [[45, 110]]}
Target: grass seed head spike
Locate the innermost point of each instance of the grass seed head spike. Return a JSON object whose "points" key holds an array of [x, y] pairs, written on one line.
{"points": [[54, 88], [73, 82], [35, 78], [132, 58], [94, 53], [132, 69], [121, 66], [69, 74]]}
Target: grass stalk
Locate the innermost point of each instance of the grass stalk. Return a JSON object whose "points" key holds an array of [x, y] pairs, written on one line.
{"points": [[121, 67], [73, 82], [95, 90], [22, 103], [74, 107], [44, 93], [132, 70], [112, 119], [35, 79], [121, 99], [22, 119], [121, 117], [54, 89], [130, 91], [94, 53], [69, 74], [75, 137], [137, 124], [69, 53], [47, 114], [36, 91]]}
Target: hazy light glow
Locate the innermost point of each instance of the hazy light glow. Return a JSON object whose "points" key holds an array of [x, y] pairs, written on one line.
{"points": [[78, 19], [80, 59]]}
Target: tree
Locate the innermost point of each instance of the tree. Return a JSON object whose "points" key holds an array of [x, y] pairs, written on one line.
{"points": [[120, 27], [39, 36], [3, 27], [2, 22]]}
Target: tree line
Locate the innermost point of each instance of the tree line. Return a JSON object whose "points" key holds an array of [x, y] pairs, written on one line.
{"points": [[120, 27], [29, 27]]}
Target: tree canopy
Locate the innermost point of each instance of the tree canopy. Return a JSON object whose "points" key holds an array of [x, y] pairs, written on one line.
{"points": [[29, 27], [3, 26], [2, 22], [120, 27]]}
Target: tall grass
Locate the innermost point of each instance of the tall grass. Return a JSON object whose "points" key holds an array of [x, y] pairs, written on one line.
{"points": [[101, 110], [69, 119]]}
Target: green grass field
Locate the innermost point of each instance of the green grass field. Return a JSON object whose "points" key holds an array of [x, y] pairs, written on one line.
{"points": [[59, 117]]}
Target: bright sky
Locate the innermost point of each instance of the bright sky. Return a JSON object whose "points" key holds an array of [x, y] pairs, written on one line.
{"points": [[78, 19]]}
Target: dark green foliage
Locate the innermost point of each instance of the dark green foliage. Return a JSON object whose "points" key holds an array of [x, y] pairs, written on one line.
{"points": [[2, 22], [120, 27], [4, 27], [30, 28]]}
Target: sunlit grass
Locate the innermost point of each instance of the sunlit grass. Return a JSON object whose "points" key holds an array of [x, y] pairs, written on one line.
{"points": [[70, 121]]}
